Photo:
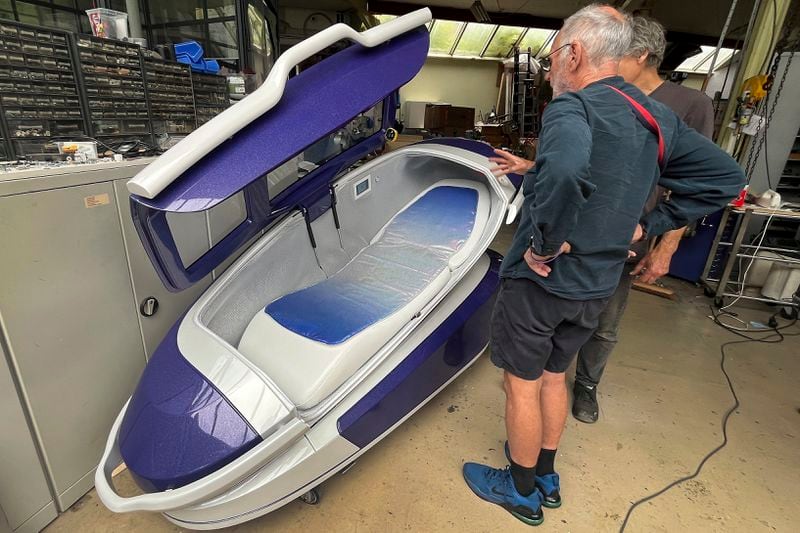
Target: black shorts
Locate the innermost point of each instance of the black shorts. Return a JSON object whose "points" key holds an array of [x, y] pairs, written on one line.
{"points": [[533, 330]]}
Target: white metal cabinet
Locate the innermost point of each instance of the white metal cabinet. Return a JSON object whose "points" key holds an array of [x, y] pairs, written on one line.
{"points": [[25, 500], [73, 275], [71, 323], [146, 283]]}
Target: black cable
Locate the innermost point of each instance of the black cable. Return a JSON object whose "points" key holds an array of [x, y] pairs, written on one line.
{"points": [[777, 330], [766, 127], [725, 417], [114, 145]]}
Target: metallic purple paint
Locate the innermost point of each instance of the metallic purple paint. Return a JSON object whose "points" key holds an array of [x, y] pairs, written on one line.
{"points": [[178, 428], [315, 103]]}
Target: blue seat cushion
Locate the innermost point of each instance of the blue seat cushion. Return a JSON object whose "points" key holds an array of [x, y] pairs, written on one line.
{"points": [[413, 249]]}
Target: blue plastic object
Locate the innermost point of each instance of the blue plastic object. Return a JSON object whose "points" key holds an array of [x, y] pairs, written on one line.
{"points": [[191, 53], [197, 66], [212, 67], [192, 49]]}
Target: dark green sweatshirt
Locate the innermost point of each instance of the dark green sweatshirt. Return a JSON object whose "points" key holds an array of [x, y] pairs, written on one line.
{"points": [[595, 168]]}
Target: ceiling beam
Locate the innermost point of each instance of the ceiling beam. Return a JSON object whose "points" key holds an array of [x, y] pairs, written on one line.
{"points": [[705, 40], [383, 7]]}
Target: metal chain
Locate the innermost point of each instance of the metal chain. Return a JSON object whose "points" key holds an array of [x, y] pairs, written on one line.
{"points": [[751, 158], [748, 169], [753, 155]]}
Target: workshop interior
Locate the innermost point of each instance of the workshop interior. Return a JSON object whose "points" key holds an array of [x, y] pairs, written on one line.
{"points": [[249, 251]]}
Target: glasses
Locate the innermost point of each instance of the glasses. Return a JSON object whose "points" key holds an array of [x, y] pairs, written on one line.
{"points": [[546, 62]]}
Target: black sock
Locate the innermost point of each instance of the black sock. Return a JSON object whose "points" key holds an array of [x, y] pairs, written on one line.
{"points": [[544, 465], [524, 478]]}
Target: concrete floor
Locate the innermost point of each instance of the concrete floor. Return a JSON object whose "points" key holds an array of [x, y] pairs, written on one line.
{"points": [[661, 401]]}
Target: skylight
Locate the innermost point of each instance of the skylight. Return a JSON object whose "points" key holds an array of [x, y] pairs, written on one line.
{"points": [[484, 41], [701, 63], [490, 41], [444, 35]]}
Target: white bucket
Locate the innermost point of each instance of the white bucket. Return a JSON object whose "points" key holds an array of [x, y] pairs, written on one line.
{"points": [[782, 282]]}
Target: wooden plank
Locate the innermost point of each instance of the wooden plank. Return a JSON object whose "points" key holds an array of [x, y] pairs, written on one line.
{"points": [[657, 290], [118, 470]]}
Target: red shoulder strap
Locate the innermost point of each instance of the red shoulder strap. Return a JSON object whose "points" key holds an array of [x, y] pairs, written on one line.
{"points": [[649, 122]]}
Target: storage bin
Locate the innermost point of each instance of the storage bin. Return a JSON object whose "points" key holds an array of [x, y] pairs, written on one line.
{"points": [[108, 23]]}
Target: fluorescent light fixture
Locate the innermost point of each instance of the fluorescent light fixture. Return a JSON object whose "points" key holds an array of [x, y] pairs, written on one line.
{"points": [[479, 12]]}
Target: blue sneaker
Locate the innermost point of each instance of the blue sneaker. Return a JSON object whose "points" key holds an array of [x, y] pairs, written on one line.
{"points": [[548, 484], [496, 486]]}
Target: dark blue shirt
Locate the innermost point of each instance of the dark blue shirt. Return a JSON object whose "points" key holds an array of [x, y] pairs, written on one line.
{"points": [[596, 165]]}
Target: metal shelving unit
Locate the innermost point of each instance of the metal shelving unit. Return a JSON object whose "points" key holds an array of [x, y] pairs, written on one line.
{"points": [[39, 93], [210, 96], [170, 96], [113, 81], [722, 287], [54, 84]]}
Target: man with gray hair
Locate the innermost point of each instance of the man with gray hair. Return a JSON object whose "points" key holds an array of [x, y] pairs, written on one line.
{"points": [[603, 147], [639, 67]]}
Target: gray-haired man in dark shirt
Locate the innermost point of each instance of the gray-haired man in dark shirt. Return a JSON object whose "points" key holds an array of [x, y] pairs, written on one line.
{"points": [[603, 147], [639, 67]]}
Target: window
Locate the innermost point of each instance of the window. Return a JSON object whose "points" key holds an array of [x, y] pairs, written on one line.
{"points": [[178, 34], [58, 14], [503, 40], [474, 39], [385, 18], [443, 36], [261, 46], [6, 10], [358, 129], [701, 63], [537, 40], [258, 30], [176, 11], [486, 41], [222, 39], [221, 9], [212, 23]]}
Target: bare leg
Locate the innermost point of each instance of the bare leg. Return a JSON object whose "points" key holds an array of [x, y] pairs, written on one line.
{"points": [[523, 418], [553, 408]]}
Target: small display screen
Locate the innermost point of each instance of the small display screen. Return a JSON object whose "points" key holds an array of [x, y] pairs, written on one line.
{"points": [[362, 187]]}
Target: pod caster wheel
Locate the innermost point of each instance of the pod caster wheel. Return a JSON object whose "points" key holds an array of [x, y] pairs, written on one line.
{"points": [[789, 315], [718, 303], [310, 498], [708, 291]]}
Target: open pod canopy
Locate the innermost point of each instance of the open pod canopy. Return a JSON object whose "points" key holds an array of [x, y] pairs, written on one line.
{"points": [[281, 146]]}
